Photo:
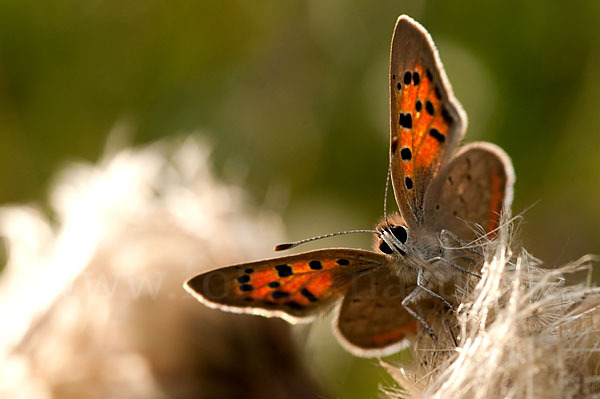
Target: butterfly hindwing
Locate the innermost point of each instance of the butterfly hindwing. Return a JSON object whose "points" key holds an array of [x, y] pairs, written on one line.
{"points": [[426, 121], [372, 321], [471, 191], [295, 288]]}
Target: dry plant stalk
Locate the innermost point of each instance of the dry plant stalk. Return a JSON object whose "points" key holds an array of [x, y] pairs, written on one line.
{"points": [[521, 332]]}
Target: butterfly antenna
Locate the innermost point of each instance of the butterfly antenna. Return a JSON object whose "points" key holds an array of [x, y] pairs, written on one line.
{"points": [[282, 247], [385, 197]]}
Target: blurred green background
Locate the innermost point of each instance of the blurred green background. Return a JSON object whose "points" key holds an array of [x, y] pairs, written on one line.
{"points": [[292, 95]]}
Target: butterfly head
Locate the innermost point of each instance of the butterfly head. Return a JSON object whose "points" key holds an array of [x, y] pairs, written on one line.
{"points": [[393, 237]]}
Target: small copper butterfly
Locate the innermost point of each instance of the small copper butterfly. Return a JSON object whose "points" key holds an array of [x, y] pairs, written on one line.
{"points": [[446, 197]]}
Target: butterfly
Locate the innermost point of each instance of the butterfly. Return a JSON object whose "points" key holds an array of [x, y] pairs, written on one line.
{"points": [[446, 197]]}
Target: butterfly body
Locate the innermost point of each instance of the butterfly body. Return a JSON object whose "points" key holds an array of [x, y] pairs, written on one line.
{"points": [[447, 199], [406, 256]]}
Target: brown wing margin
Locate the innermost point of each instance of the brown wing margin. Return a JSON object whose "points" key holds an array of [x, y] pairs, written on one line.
{"points": [[372, 321], [469, 194]]}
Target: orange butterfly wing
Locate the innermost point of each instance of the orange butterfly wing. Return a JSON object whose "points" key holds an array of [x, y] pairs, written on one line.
{"points": [[295, 288], [427, 122]]}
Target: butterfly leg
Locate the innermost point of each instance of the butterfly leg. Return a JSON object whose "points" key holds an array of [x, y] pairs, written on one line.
{"points": [[454, 265], [447, 237], [421, 284], [450, 332], [412, 298]]}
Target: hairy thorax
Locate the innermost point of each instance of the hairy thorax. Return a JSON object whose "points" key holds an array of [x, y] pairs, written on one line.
{"points": [[421, 247]]}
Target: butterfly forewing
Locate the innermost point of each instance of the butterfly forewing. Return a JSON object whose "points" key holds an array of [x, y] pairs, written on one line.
{"points": [[295, 287], [469, 193], [372, 321], [427, 122]]}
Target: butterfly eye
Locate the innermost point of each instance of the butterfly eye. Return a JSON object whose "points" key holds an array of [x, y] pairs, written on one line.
{"points": [[400, 233], [383, 247]]}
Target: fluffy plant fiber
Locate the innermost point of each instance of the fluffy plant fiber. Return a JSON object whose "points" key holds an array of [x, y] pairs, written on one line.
{"points": [[521, 332], [92, 304]]}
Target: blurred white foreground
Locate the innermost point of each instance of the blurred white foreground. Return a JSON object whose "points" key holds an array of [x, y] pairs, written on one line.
{"points": [[92, 304]]}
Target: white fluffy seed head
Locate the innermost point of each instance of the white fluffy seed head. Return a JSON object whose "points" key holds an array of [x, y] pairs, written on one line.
{"points": [[522, 332]]}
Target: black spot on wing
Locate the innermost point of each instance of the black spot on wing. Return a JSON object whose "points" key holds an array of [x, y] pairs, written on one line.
{"points": [[315, 265], [429, 75], [394, 144], [419, 106], [429, 107], [284, 270], [447, 117], [416, 78], [280, 294], [406, 154], [437, 135], [309, 295], [406, 120]]}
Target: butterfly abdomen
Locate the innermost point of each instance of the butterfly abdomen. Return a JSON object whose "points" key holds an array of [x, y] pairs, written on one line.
{"points": [[404, 271]]}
